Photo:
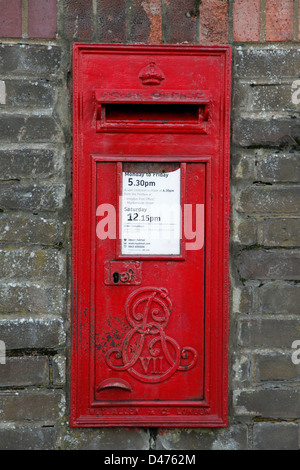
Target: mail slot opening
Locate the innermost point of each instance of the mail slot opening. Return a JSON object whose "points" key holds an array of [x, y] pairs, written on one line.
{"points": [[154, 113]]}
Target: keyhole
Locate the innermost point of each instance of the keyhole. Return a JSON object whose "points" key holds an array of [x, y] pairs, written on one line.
{"points": [[116, 277]]}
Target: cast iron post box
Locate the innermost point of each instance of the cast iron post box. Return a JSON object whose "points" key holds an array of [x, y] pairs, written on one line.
{"points": [[150, 235]]}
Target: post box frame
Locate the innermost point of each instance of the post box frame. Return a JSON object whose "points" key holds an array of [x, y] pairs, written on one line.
{"points": [[212, 411]]}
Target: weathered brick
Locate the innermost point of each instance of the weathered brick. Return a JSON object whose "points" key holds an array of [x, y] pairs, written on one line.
{"points": [[31, 297], [28, 437], [243, 166], [78, 19], [25, 93], [59, 370], [270, 199], [244, 231], [241, 364], [279, 297], [275, 436], [240, 95], [37, 230], [33, 60], [298, 28], [275, 367], [28, 163], [2, 92], [242, 299], [271, 63], [41, 129], [213, 22], [279, 167], [34, 332], [268, 332], [24, 371], [233, 438], [10, 127], [18, 128], [34, 197], [280, 232], [271, 97], [11, 19], [138, 22], [42, 18], [246, 20], [270, 403], [112, 20], [154, 12], [38, 405], [266, 131], [31, 264], [279, 20], [269, 264], [180, 21], [104, 439]]}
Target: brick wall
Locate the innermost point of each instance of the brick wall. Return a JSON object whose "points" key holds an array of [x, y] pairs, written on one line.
{"points": [[35, 214], [155, 21]]}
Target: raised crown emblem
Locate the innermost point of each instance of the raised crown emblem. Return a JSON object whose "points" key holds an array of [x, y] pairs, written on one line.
{"points": [[151, 75]]}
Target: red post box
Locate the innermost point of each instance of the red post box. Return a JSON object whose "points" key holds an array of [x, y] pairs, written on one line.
{"points": [[150, 235]]}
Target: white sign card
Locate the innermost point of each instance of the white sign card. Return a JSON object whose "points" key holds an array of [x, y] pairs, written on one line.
{"points": [[151, 213]]}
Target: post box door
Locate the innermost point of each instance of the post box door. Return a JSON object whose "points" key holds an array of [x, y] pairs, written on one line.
{"points": [[150, 235], [149, 312]]}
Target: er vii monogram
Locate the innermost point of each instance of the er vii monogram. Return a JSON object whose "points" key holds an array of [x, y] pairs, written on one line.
{"points": [[147, 353]]}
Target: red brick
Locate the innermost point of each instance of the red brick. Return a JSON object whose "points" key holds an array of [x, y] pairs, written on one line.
{"points": [[299, 23], [112, 21], [42, 17], [180, 21], [138, 23], [153, 11], [246, 20], [78, 19], [279, 20], [144, 21], [213, 22], [10, 19]]}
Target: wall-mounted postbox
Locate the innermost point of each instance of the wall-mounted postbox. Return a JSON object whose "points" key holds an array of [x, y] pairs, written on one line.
{"points": [[150, 235]]}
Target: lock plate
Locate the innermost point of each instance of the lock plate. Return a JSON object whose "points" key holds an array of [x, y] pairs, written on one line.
{"points": [[122, 273]]}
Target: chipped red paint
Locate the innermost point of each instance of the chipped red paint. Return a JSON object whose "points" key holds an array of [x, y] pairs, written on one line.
{"points": [[150, 331]]}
